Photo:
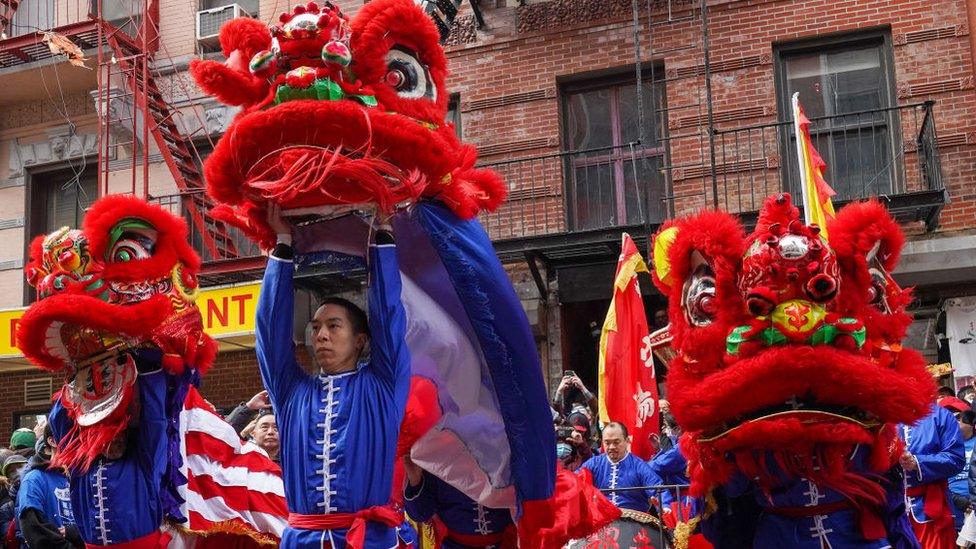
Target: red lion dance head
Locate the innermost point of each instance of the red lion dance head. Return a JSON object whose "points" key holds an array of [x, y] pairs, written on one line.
{"points": [[125, 282], [789, 345], [336, 113]]}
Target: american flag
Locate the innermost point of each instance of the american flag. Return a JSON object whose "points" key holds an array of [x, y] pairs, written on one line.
{"points": [[233, 487]]}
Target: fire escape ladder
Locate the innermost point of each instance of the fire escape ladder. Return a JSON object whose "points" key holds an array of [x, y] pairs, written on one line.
{"points": [[174, 147]]}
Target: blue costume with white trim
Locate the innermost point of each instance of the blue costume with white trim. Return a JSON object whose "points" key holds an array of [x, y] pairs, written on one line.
{"points": [[457, 511], [937, 445], [670, 467], [119, 500], [746, 517], [629, 472], [338, 432]]}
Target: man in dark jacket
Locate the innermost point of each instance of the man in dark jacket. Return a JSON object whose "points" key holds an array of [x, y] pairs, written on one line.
{"points": [[246, 412], [255, 421], [11, 469]]}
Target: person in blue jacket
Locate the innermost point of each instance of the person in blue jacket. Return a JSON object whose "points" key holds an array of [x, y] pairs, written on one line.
{"points": [[468, 524], [118, 499], [934, 453], [671, 468], [623, 477], [44, 502], [339, 427]]}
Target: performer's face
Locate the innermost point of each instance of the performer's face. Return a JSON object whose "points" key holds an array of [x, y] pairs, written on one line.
{"points": [[337, 345], [615, 443]]}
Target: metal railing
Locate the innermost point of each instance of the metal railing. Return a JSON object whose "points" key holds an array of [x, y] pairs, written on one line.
{"points": [[574, 191], [45, 15], [177, 204], [877, 152]]}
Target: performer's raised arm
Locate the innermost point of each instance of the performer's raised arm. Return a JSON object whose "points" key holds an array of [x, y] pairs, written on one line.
{"points": [[153, 441], [275, 316], [388, 321]]}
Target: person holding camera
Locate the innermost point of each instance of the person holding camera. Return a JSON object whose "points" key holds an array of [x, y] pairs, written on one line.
{"points": [[572, 448], [572, 396]]}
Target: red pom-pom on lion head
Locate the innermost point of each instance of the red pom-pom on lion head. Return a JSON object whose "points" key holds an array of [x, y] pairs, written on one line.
{"points": [[338, 112], [788, 344]]}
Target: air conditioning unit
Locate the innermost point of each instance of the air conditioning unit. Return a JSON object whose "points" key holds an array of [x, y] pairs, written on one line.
{"points": [[210, 21]]}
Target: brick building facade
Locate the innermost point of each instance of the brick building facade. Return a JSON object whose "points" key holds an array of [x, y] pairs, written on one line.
{"points": [[548, 90]]}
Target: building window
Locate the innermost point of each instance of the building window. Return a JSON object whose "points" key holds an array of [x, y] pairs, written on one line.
{"points": [[454, 113], [29, 420], [613, 178], [58, 199], [252, 7], [32, 16], [125, 15], [846, 88]]}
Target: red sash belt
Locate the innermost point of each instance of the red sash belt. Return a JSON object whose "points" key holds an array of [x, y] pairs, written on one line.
{"points": [[155, 539], [868, 519], [935, 505], [355, 522]]}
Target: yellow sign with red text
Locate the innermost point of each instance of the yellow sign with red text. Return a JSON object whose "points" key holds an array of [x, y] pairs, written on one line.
{"points": [[227, 311]]}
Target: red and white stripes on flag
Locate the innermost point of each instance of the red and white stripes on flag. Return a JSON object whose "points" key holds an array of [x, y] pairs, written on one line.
{"points": [[233, 486]]}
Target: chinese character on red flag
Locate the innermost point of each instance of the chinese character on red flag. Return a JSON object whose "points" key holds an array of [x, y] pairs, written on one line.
{"points": [[628, 389]]}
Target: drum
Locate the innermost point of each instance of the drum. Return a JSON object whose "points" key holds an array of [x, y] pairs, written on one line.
{"points": [[633, 530]]}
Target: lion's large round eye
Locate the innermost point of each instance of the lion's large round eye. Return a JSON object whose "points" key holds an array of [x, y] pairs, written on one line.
{"points": [[408, 76], [133, 246]]}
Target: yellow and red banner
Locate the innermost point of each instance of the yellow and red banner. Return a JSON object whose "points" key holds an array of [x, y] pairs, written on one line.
{"points": [[817, 205], [227, 311], [627, 384]]}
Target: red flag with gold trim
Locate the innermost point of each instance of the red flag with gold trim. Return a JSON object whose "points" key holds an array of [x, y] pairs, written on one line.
{"points": [[628, 388]]}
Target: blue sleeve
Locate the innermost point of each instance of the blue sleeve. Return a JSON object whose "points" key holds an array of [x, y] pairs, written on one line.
{"points": [[646, 477], [664, 496], [421, 502], [59, 420], [153, 441], [951, 455], [588, 465], [670, 465], [32, 494], [273, 331], [390, 359]]}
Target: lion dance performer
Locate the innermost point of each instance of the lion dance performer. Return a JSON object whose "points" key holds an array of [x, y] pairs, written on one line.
{"points": [[116, 314], [342, 124], [934, 453], [790, 379]]}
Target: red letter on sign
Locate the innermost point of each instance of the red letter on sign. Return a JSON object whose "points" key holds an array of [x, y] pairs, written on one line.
{"points": [[13, 331], [241, 300], [221, 313]]}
